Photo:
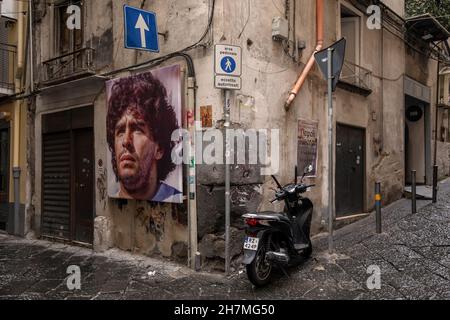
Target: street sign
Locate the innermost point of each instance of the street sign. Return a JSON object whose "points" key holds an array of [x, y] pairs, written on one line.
{"points": [[331, 61], [228, 67], [338, 60], [227, 76], [141, 30], [228, 83], [228, 60]]}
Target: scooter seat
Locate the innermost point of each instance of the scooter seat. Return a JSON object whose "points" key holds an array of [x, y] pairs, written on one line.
{"points": [[268, 215]]}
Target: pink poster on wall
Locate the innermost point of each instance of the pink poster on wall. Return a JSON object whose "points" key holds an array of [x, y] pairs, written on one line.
{"points": [[143, 112]]}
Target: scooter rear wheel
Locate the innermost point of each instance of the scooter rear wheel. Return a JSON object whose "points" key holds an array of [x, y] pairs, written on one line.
{"points": [[259, 272]]}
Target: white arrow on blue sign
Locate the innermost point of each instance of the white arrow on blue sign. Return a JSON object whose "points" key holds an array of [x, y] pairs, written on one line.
{"points": [[141, 29]]}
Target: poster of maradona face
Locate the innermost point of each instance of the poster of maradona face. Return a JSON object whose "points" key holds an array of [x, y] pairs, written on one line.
{"points": [[143, 112]]}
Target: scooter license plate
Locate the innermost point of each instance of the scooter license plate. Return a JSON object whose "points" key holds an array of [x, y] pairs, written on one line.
{"points": [[251, 243]]}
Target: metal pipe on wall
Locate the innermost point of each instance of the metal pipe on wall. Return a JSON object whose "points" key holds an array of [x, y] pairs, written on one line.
{"points": [[227, 182], [331, 204], [30, 37], [436, 116], [436, 113], [319, 35], [192, 184], [17, 115]]}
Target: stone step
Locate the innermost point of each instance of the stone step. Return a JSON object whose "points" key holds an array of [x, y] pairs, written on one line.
{"points": [[422, 192]]}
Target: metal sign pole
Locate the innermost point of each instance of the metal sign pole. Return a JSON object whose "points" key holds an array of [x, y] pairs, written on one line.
{"points": [[330, 152], [227, 183], [327, 62]]}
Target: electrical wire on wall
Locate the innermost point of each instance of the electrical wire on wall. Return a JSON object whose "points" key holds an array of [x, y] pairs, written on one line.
{"points": [[179, 53], [289, 46], [248, 19], [157, 61]]}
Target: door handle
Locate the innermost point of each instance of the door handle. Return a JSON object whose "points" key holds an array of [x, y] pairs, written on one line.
{"points": [[81, 185]]}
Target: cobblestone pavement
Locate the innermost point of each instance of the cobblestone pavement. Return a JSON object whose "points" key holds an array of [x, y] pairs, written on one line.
{"points": [[413, 254]]}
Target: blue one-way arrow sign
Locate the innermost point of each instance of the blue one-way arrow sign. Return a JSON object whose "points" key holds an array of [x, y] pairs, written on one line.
{"points": [[141, 30]]}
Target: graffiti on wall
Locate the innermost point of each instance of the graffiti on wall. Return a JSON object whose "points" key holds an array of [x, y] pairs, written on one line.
{"points": [[152, 220], [101, 183]]}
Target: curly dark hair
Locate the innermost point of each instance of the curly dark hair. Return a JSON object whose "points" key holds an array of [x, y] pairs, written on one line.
{"points": [[149, 97]]}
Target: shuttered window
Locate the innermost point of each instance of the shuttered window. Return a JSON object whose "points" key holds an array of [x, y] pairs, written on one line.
{"points": [[56, 185], [4, 54]]}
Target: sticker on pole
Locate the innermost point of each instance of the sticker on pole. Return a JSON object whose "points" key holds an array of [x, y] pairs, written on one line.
{"points": [[228, 83], [228, 67]]}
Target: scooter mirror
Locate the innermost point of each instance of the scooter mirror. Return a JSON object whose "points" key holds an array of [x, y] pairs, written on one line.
{"points": [[307, 170]]}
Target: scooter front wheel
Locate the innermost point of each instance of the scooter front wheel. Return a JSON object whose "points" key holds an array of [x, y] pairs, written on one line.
{"points": [[259, 271]]}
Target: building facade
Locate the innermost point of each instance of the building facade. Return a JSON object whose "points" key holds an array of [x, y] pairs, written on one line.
{"points": [[76, 71], [14, 84]]}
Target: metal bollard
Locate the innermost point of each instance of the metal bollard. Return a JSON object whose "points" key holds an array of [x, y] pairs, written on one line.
{"points": [[378, 206], [435, 183], [413, 191], [198, 262]]}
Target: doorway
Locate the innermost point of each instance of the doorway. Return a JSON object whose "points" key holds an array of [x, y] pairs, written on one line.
{"points": [[68, 175], [350, 168], [416, 142], [83, 184]]}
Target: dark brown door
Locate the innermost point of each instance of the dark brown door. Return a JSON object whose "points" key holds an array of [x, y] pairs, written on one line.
{"points": [[83, 188], [68, 175], [4, 177], [350, 160]]}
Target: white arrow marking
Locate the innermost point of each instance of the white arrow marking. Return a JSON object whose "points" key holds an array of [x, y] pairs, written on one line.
{"points": [[142, 25]]}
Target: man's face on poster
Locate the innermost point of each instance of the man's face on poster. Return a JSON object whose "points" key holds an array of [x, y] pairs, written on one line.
{"points": [[136, 151]]}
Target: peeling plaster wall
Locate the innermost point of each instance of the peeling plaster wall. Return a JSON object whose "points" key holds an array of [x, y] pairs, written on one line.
{"points": [[388, 162], [397, 6], [424, 70], [268, 76], [443, 160]]}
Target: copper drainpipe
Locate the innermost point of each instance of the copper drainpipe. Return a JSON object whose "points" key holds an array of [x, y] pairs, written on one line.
{"points": [[309, 65]]}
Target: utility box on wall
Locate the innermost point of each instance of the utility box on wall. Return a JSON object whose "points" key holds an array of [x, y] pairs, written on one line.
{"points": [[280, 29], [8, 8]]}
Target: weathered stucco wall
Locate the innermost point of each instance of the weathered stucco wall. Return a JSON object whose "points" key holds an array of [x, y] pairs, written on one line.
{"points": [[397, 6], [268, 76], [424, 70], [443, 160]]}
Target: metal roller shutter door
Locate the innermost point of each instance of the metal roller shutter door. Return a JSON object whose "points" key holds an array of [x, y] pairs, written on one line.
{"points": [[56, 185]]}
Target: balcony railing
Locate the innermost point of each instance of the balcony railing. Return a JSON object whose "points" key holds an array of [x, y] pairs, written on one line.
{"points": [[69, 66], [357, 77], [7, 68]]}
